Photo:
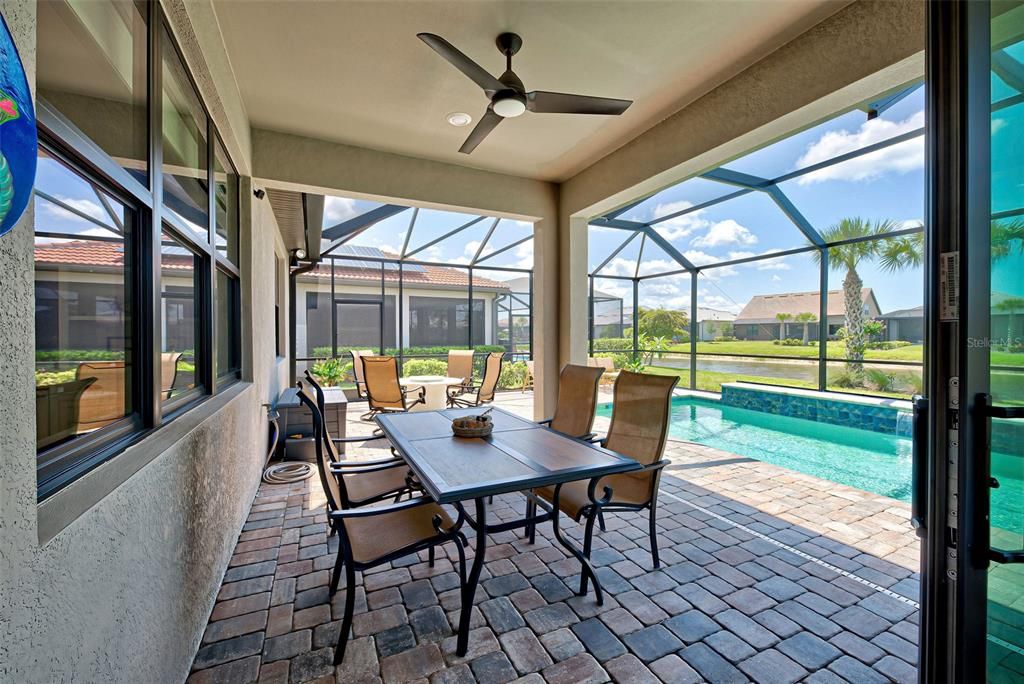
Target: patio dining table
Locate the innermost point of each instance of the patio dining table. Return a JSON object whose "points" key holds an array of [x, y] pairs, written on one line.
{"points": [[518, 456]]}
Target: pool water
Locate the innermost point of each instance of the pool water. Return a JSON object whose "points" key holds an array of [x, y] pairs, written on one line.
{"points": [[870, 461]]}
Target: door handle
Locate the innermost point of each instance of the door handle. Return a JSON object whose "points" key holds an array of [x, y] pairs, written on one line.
{"points": [[1005, 413], [918, 468]]}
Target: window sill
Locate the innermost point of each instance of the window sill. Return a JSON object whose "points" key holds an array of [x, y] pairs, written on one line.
{"points": [[65, 506]]}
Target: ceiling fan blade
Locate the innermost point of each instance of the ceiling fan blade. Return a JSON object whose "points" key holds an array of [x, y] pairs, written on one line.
{"points": [[463, 63], [545, 102], [483, 127]]}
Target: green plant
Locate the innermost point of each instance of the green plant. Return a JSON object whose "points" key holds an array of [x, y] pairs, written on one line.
{"points": [[880, 380], [893, 254], [424, 367], [634, 366], [78, 355], [806, 318], [513, 375], [847, 379], [668, 323], [613, 344], [782, 318], [46, 378], [330, 372]]}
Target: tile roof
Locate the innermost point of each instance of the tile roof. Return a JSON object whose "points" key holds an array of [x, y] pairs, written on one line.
{"points": [[763, 308], [99, 254]]}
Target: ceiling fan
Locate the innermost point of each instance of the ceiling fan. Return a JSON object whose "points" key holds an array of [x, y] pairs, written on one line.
{"points": [[507, 93]]}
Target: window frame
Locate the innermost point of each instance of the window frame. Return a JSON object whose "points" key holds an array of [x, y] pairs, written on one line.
{"points": [[60, 465]]}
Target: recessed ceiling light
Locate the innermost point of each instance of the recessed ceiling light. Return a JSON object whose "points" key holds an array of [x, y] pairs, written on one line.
{"points": [[459, 119]]}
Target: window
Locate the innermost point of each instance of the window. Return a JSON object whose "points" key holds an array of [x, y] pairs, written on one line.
{"points": [[137, 300], [444, 322], [84, 321], [185, 152], [104, 94]]}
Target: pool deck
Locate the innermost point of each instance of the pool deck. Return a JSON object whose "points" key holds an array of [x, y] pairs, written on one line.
{"points": [[768, 575]]}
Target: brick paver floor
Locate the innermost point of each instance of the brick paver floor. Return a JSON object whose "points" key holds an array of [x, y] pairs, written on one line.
{"points": [[768, 575]]}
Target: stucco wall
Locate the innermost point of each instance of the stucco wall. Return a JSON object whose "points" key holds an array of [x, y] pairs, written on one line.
{"points": [[123, 592]]}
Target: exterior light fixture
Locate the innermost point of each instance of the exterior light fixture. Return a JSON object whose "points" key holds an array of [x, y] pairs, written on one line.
{"points": [[509, 104], [459, 119], [299, 253]]}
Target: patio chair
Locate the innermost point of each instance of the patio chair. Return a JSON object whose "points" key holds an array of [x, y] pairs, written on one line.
{"points": [[468, 396], [577, 401], [460, 365], [360, 483], [528, 380], [357, 374], [103, 401], [57, 411], [375, 535], [384, 392], [168, 372], [639, 429]]}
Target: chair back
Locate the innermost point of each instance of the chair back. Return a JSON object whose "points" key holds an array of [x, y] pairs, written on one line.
{"points": [[168, 372], [460, 365], [57, 411], [321, 404], [357, 368], [331, 484], [577, 399], [492, 371], [103, 401], [383, 390], [640, 415]]}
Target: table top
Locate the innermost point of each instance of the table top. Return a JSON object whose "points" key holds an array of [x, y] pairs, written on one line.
{"points": [[430, 380], [519, 455]]}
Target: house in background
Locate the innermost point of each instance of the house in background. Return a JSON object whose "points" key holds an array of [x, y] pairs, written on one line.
{"points": [[904, 324], [713, 323], [758, 319], [435, 305]]}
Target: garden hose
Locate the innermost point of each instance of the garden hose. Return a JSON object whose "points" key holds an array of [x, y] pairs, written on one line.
{"points": [[282, 473]]}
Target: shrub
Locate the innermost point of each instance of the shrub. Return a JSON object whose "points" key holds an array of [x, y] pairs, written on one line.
{"points": [[513, 375], [44, 378], [791, 342], [847, 379], [880, 380], [724, 338], [634, 366], [424, 367], [613, 344], [331, 372], [325, 352], [78, 355]]}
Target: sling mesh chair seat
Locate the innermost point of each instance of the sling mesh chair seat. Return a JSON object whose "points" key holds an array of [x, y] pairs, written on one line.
{"points": [[460, 365], [366, 481], [375, 535], [577, 401], [639, 429], [357, 375], [466, 396], [384, 391]]}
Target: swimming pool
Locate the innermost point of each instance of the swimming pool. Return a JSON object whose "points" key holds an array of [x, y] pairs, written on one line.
{"points": [[870, 461]]}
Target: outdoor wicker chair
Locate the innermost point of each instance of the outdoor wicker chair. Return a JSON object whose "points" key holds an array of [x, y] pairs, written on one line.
{"points": [[375, 535], [467, 396], [639, 429]]}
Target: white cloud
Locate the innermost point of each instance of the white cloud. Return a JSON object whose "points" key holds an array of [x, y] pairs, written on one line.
{"points": [[87, 207], [712, 301], [726, 232], [901, 158], [776, 278], [338, 209], [680, 226]]}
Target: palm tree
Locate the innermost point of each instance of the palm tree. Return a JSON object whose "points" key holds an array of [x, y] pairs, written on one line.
{"points": [[782, 318], [893, 254], [806, 318], [1012, 306]]}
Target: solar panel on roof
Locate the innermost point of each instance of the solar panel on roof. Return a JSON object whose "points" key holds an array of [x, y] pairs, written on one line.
{"points": [[371, 253]]}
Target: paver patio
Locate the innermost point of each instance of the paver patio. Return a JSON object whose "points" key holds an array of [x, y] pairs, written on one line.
{"points": [[768, 575]]}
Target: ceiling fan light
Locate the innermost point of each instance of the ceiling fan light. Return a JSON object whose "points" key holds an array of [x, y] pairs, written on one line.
{"points": [[509, 107]]}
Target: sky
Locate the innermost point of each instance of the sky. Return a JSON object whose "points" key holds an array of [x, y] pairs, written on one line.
{"points": [[887, 184]]}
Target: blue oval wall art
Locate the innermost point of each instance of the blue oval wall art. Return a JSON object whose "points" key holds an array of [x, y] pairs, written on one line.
{"points": [[17, 134]]}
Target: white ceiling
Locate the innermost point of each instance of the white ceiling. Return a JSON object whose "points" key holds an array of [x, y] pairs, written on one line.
{"points": [[354, 72]]}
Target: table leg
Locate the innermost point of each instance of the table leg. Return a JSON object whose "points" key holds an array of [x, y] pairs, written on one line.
{"points": [[469, 588], [587, 569]]}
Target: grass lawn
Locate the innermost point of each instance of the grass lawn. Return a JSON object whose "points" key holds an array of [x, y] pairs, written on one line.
{"points": [[836, 350], [711, 381]]}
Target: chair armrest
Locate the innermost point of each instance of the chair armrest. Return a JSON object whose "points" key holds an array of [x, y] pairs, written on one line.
{"points": [[545, 422], [354, 469], [589, 436], [595, 439], [650, 467], [368, 511], [353, 440]]}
